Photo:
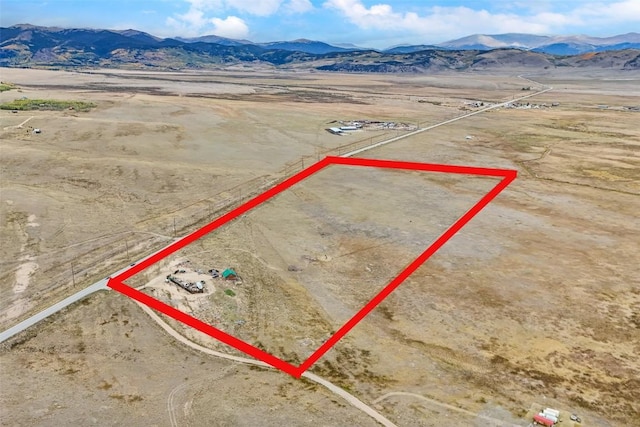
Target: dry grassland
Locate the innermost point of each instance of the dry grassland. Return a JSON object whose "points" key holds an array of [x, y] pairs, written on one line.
{"points": [[536, 300]]}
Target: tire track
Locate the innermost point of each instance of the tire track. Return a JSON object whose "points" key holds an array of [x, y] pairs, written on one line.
{"points": [[177, 391], [348, 397], [493, 421]]}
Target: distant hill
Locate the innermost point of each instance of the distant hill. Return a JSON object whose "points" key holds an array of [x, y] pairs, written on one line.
{"points": [[214, 39], [495, 41], [32, 46], [351, 46], [555, 45], [304, 45], [565, 48], [411, 48], [139, 35]]}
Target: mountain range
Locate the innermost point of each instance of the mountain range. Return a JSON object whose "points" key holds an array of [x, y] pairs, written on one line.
{"points": [[555, 45], [300, 45], [32, 46]]}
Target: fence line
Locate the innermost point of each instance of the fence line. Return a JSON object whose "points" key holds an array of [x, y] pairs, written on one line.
{"points": [[184, 219], [202, 212]]}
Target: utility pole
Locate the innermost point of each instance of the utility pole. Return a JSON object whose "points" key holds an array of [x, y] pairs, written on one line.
{"points": [[127, 245], [174, 226], [73, 275]]}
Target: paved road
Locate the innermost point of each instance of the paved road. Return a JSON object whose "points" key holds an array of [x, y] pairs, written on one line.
{"points": [[98, 286], [446, 122]]}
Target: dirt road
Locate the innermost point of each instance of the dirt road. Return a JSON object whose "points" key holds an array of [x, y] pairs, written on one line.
{"points": [[352, 400], [491, 420]]}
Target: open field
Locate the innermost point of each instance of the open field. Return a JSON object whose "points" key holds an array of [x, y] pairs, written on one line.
{"points": [[535, 301], [104, 362], [159, 152], [311, 255]]}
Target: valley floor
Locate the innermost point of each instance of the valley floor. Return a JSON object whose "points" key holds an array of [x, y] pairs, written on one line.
{"points": [[535, 301]]}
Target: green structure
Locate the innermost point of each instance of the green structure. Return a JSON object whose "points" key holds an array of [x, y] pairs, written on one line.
{"points": [[229, 274]]}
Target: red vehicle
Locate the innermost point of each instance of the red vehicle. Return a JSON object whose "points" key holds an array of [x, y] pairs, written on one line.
{"points": [[542, 420]]}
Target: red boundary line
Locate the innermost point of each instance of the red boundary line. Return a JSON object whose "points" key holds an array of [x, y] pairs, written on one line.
{"points": [[117, 283]]}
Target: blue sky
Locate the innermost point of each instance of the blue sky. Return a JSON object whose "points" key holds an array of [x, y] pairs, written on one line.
{"points": [[377, 24]]}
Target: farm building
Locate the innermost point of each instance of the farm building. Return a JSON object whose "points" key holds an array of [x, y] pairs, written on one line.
{"points": [[335, 131]]}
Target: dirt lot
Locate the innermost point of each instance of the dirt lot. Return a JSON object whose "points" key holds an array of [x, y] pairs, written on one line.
{"points": [[536, 300]]}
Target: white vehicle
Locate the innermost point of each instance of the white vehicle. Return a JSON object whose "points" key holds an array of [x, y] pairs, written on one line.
{"points": [[553, 412], [549, 416]]}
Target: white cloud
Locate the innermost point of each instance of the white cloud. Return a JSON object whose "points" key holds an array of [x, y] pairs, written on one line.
{"points": [[255, 7], [298, 6], [448, 22], [427, 23], [193, 24], [189, 24], [194, 18], [441, 19], [251, 7], [232, 27], [616, 12], [205, 4], [198, 20]]}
